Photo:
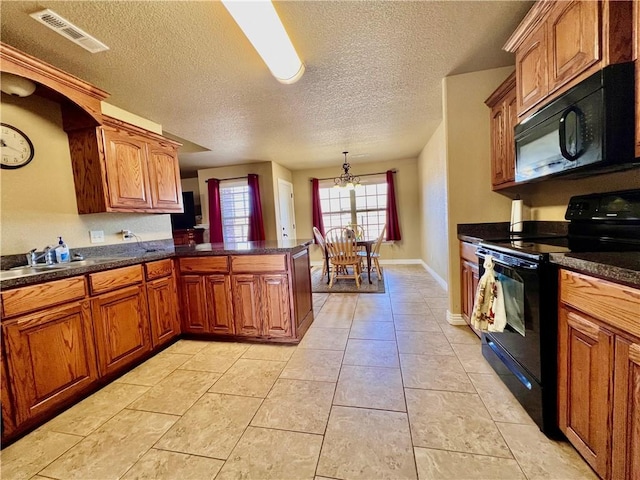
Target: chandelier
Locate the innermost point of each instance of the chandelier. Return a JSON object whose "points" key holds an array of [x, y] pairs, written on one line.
{"points": [[346, 180]]}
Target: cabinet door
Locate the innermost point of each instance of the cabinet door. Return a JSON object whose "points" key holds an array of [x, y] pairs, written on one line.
{"points": [[50, 358], [531, 70], [276, 307], [122, 328], [219, 304], [194, 306], [585, 387], [573, 40], [127, 175], [626, 411], [465, 285], [246, 305], [498, 142], [511, 120], [6, 400], [163, 310], [164, 179]]}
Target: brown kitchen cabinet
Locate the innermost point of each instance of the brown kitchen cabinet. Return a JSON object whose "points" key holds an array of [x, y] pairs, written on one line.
{"points": [[504, 118], [188, 236], [599, 373], [469, 278], [246, 305], [119, 167], [120, 318], [162, 298], [48, 344], [560, 43]]}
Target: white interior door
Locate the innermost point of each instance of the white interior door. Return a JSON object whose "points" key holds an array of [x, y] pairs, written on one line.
{"points": [[287, 215]]}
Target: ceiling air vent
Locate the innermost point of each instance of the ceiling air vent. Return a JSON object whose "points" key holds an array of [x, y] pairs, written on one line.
{"points": [[65, 28]]}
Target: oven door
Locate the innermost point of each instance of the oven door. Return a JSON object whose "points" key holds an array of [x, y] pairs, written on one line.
{"points": [[520, 281]]}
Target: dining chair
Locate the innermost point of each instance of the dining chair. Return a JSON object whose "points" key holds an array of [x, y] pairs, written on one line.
{"points": [[375, 252], [342, 253], [321, 242]]}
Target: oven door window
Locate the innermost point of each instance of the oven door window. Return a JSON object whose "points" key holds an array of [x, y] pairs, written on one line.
{"points": [[513, 291]]}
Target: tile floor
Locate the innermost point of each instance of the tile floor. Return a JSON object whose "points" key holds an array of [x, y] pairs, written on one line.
{"points": [[381, 387]]}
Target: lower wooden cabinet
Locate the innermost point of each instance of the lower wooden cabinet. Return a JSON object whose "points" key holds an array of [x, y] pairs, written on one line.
{"points": [[121, 327], [50, 358], [163, 310], [274, 302], [599, 373], [469, 278], [206, 302], [246, 305]]}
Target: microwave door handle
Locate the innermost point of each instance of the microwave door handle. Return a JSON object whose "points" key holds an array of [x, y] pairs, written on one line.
{"points": [[563, 134]]}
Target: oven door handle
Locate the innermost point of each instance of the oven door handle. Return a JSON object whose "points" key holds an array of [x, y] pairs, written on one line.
{"points": [[517, 263]]}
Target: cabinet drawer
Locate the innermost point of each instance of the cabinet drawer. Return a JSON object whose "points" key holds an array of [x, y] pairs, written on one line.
{"points": [[159, 269], [113, 279], [204, 264], [615, 304], [37, 297], [468, 252], [258, 263]]}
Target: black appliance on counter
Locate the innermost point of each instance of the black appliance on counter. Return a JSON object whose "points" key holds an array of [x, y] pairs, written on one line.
{"points": [[525, 354], [187, 219], [589, 127]]}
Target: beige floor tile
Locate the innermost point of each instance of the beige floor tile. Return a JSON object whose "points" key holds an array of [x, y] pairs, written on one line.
{"points": [[471, 358], [187, 347], [372, 353], [29, 455], [500, 402], [409, 296], [409, 308], [112, 449], [175, 394], [416, 323], [277, 353], [453, 421], [440, 314], [341, 309], [325, 339], [317, 365], [443, 465], [331, 320], [211, 427], [438, 302], [373, 314], [252, 378], [434, 372], [542, 458], [423, 343], [154, 370], [273, 454], [459, 334], [297, 405], [434, 291], [84, 417], [370, 387], [209, 363], [163, 465], [373, 331], [225, 349], [355, 446], [374, 299]]}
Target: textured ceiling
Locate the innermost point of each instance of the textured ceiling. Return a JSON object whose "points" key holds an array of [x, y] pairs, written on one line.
{"points": [[372, 84]]}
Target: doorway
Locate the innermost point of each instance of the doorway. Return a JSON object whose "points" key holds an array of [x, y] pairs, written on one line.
{"points": [[285, 207]]}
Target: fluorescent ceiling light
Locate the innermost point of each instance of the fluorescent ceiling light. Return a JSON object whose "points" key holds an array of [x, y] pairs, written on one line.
{"points": [[262, 26]]}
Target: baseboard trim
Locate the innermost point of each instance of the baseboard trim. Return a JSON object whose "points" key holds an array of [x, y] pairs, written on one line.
{"points": [[455, 318], [437, 277]]}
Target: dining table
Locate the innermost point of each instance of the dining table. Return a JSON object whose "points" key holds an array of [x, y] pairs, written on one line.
{"points": [[360, 243]]}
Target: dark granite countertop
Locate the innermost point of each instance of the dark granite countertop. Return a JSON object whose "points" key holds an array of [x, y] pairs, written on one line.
{"points": [[619, 267], [119, 257], [478, 232]]}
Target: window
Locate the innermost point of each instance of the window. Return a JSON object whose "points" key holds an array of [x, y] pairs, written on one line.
{"points": [[234, 203], [365, 206]]}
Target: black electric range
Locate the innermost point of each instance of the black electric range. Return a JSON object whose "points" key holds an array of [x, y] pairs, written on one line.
{"points": [[524, 355]]}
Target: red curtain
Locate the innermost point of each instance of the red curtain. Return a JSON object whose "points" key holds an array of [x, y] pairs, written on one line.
{"points": [[316, 209], [256, 223], [393, 227], [215, 212]]}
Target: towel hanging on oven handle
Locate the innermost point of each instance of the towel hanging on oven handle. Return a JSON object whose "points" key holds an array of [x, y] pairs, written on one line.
{"points": [[489, 314]]}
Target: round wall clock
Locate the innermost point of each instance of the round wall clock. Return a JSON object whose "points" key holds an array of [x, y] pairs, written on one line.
{"points": [[16, 150]]}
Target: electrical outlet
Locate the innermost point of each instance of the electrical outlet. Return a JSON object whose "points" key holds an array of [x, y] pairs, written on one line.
{"points": [[126, 234], [97, 236]]}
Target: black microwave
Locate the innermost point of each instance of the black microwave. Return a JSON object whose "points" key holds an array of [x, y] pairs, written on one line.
{"points": [[590, 127]]}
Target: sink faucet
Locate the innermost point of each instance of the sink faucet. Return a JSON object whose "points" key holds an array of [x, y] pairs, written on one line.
{"points": [[48, 254]]}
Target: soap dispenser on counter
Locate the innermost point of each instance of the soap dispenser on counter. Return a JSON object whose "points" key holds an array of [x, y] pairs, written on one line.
{"points": [[62, 252]]}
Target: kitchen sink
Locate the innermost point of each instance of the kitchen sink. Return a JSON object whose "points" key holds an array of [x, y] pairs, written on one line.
{"points": [[25, 271]]}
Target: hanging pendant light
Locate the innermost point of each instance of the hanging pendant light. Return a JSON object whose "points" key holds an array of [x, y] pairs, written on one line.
{"points": [[346, 180]]}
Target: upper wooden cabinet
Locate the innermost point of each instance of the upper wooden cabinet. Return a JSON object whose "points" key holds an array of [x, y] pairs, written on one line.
{"points": [[560, 43], [121, 168], [503, 120]]}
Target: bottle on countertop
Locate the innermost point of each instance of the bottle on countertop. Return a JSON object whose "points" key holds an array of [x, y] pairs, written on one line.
{"points": [[62, 252]]}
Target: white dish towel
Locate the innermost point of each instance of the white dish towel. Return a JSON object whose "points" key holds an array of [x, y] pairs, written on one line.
{"points": [[489, 314]]}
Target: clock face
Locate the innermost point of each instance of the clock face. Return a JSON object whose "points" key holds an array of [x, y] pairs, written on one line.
{"points": [[16, 149]]}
